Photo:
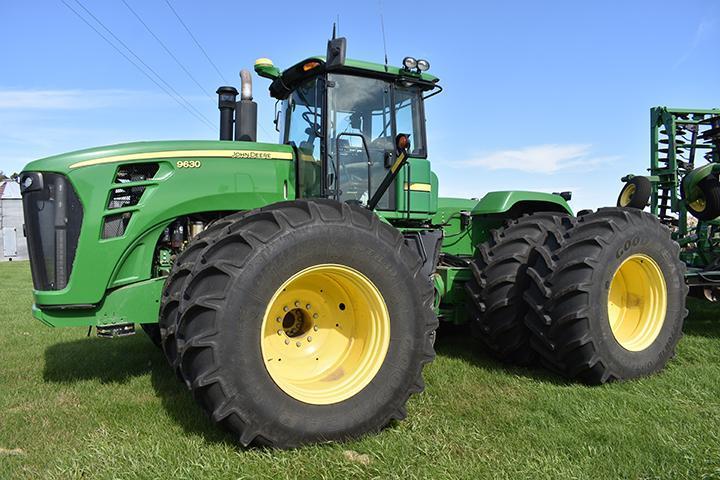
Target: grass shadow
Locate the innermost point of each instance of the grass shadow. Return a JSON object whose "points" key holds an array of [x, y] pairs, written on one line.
{"points": [[457, 342], [104, 360], [118, 361], [183, 410], [703, 319]]}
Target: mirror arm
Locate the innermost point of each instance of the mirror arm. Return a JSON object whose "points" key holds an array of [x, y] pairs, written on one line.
{"points": [[400, 160]]}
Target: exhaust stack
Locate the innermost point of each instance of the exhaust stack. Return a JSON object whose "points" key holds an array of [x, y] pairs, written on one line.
{"points": [[226, 104], [245, 111]]}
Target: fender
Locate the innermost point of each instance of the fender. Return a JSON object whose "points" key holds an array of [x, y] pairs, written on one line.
{"points": [[516, 203]]}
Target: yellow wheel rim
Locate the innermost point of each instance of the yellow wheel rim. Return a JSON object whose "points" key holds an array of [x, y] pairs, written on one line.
{"points": [[637, 302], [627, 194], [699, 204], [325, 334]]}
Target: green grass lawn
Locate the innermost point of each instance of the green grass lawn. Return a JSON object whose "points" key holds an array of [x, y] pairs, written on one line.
{"points": [[77, 407]]}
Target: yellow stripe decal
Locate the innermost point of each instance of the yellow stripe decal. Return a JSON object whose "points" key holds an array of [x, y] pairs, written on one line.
{"points": [[398, 162], [260, 154], [419, 187]]}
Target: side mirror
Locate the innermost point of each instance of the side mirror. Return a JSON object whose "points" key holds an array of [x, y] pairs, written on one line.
{"points": [[276, 121], [336, 49]]}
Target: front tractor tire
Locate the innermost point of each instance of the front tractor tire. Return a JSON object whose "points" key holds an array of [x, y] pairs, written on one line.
{"points": [[609, 302], [303, 322]]}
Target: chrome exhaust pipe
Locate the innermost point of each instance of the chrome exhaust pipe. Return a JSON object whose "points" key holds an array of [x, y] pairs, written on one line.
{"points": [[246, 111]]}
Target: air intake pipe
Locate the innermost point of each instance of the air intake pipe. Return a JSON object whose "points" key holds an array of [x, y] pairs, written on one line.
{"points": [[246, 111], [226, 104]]}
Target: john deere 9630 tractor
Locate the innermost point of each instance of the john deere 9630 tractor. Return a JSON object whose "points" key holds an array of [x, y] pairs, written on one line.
{"points": [[295, 288]]}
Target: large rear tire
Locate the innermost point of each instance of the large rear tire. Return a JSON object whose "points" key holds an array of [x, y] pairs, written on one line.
{"points": [[496, 306], [306, 321], [613, 298]]}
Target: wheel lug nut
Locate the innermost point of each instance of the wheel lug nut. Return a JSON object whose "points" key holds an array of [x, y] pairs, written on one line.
{"points": [[279, 332], [298, 344], [287, 341], [278, 319], [285, 309], [309, 339], [307, 307], [297, 304], [315, 315], [315, 328]]}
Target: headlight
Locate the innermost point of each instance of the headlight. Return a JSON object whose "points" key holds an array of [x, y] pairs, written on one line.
{"points": [[409, 63]]}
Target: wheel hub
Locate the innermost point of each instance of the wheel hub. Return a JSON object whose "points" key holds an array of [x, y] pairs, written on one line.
{"points": [[296, 322]]}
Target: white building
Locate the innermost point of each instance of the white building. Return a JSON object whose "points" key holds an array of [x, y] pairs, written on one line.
{"points": [[12, 241]]}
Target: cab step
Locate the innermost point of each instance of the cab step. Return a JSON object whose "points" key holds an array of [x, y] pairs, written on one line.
{"points": [[119, 330]]}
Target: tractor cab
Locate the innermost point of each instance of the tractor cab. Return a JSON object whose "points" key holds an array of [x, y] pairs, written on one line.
{"points": [[348, 121]]}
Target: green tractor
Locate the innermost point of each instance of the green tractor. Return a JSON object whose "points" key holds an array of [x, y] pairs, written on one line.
{"points": [[296, 288], [683, 190]]}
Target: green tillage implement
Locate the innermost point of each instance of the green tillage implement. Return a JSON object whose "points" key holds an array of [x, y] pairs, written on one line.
{"points": [[683, 176], [296, 287]]}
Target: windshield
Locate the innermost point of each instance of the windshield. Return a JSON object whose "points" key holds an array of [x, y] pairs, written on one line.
{"points": [[359, 134], [363, 117]]}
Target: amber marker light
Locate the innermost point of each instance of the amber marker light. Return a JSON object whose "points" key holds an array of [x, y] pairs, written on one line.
{"points": [[310, 66]]}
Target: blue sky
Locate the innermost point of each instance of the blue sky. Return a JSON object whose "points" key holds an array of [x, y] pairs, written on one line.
{"points": [[538, 95]]}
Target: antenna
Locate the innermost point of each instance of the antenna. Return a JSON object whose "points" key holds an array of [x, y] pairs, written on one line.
{"points": [[333, 37], [382, 29]]}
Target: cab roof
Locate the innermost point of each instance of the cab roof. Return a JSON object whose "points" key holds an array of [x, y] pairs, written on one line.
{"points": [[291, 77]]}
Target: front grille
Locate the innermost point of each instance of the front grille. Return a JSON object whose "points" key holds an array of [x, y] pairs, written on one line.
{"points": [[53, 217]]}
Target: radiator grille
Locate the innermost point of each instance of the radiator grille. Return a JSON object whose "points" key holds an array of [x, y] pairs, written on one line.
{"points": [[53, 218]]}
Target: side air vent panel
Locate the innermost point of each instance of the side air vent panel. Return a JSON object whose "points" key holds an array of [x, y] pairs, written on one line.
{"points": [[115, 225], [124, 197], [136, 172]]}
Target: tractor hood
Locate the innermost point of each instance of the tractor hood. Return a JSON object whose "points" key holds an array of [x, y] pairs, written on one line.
{"points": [[93, 217], [173, 149]]}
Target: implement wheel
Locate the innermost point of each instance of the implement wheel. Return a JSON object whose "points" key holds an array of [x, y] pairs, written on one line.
{"points": [[707, 204], [635, 193], [305, 321], [615, 298]]}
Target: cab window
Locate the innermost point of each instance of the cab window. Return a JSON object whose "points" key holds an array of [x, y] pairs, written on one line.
{"points": [[410, 118], [302, 115]]}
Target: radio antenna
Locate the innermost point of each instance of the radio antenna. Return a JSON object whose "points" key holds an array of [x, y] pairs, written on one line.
{"points": [[382, 29]]}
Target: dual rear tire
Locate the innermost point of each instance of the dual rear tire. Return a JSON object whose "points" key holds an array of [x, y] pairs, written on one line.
{"points": [[597, 299]]}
